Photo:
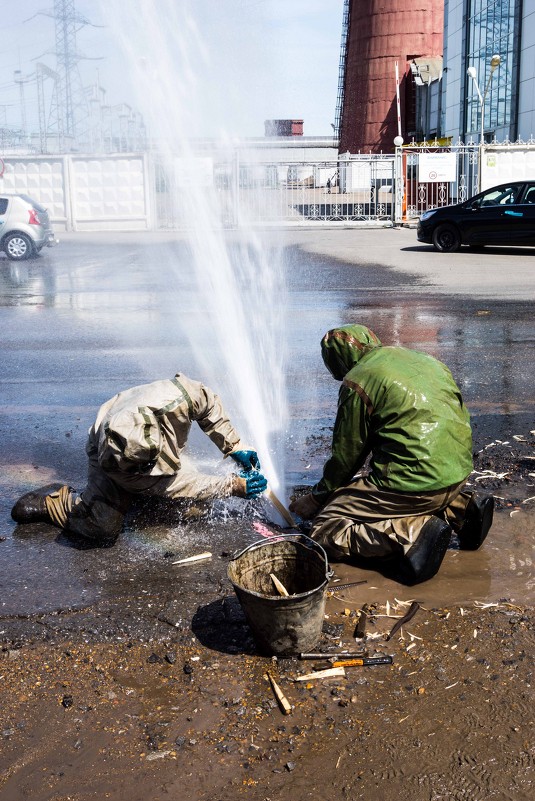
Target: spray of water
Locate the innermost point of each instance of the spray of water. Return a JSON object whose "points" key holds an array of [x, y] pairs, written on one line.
{"points": [[240, 294]]}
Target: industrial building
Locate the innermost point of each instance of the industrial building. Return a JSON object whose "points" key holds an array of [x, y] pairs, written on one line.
{"points": [[474, 31], [449, 88], [376, 37]]}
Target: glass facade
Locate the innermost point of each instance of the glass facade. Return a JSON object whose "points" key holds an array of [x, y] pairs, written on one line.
{"points": [[491, 31]]}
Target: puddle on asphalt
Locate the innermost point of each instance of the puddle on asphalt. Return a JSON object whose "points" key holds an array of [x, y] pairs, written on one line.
{"points": [[44, 575], [502, 568]]}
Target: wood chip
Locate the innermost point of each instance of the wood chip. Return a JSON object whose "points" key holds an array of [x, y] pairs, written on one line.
{"points": [[197, 558], [283, 702]]}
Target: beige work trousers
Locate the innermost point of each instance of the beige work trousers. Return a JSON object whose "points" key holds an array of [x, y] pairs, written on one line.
{"points": [[362, 519], [98, 513]]}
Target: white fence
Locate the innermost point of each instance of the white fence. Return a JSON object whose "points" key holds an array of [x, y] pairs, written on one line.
{"points": [[140, 192], [91, 193]]}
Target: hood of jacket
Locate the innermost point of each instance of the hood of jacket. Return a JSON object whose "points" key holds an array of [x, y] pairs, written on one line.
{"points": [[342, 348], [130, 442]]}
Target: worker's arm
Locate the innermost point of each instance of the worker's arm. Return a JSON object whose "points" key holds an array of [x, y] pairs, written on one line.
{"points": [[209, 413], [350, 445]]}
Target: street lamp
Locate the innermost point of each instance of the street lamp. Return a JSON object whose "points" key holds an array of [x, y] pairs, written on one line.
{"points": [[472, 73]]}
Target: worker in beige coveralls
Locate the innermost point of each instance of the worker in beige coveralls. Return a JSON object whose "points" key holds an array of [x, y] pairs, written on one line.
{"points": [[135, 448], [403, 411]]}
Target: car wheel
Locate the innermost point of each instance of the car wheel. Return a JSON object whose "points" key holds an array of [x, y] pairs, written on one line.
{"points": [[18, 247], [446, 239]]}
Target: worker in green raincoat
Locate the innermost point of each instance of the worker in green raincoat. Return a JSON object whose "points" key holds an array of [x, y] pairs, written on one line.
{"points": [[135, 447], [401, 454]]}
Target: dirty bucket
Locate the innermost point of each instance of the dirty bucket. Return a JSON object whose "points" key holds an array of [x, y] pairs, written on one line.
{"points": [[282, 625]]}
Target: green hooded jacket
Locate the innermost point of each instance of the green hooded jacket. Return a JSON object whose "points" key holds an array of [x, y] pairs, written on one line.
{"points": [[402, 407]]}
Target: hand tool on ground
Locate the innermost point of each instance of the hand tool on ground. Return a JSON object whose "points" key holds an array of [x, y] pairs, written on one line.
{"points": [[337, 587], [330, 656], [405, 619], [367, 661]]}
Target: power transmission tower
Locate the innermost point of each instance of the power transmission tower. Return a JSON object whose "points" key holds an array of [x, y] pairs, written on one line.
{"points": [[69, 109]]}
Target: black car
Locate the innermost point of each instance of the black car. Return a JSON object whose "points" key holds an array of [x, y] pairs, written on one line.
{"points": [[503, 215]]}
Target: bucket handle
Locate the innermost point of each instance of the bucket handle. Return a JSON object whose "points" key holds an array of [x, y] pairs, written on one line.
{"points": [[308, 541]]}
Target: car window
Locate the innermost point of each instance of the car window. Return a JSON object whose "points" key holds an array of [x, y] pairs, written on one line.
{"points": [[3, 205], [500, 196], [529, 197]]}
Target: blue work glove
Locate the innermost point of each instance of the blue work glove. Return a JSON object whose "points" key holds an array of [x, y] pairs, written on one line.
{"points": [[247, 459], [255, 483]]}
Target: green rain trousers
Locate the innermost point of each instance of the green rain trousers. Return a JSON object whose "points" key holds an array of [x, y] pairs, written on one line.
{"points": [[364, 520]]}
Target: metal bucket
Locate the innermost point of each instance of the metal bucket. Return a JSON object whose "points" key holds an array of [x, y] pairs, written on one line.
{"points": [[282, 625]]}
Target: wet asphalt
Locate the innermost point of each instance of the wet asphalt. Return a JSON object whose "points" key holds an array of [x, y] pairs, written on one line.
{"points": [[101, 312]]}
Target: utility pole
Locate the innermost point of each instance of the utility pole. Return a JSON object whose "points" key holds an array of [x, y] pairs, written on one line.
{"points": [[42, 72]]}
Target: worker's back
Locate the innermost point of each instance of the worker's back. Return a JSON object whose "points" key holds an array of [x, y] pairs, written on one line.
{"points": [[419, 427]]}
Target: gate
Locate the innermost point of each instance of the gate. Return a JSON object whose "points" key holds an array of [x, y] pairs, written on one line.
{"points": [[431, 177], [351, 189]]}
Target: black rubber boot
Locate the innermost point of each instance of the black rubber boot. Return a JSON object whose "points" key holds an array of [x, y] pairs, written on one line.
{"points": [[477, 522], [31, 508], [424, 558]]}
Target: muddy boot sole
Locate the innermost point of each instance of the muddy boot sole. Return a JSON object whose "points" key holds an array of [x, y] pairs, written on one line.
{"points": [[478, 520]]}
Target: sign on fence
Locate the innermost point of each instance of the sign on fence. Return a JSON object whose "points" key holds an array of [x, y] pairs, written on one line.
{"points": [[437, 167]]}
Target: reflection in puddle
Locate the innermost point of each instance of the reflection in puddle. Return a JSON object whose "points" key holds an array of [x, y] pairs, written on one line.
{"points": [[503, 568]]}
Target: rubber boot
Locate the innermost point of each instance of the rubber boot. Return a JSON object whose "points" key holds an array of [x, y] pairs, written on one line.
{"points": [[477, 522], [31, 508], [424, 558]]}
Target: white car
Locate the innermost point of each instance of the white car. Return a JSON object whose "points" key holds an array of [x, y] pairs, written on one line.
{"points": [[24, 227]]}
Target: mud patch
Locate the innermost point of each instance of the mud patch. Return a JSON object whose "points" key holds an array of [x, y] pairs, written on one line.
{"points": [[449, 718]]}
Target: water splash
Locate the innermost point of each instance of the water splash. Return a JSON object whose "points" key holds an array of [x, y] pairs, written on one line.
{"points": [[239, 302]]}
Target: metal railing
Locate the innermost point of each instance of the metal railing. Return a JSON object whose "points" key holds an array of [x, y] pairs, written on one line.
{"points": [[354, 189], [431, 176]]}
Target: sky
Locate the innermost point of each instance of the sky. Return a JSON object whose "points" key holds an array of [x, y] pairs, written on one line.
{"points": [[253, 59]]}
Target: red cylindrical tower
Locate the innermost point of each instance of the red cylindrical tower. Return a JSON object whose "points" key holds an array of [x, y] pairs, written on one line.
{"points": [[380, 33]]}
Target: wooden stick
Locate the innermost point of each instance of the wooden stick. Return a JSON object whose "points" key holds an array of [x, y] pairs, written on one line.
{"points": [[322, 674], [279, 585], [283, 702], [282, 510], [205, 555]]}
